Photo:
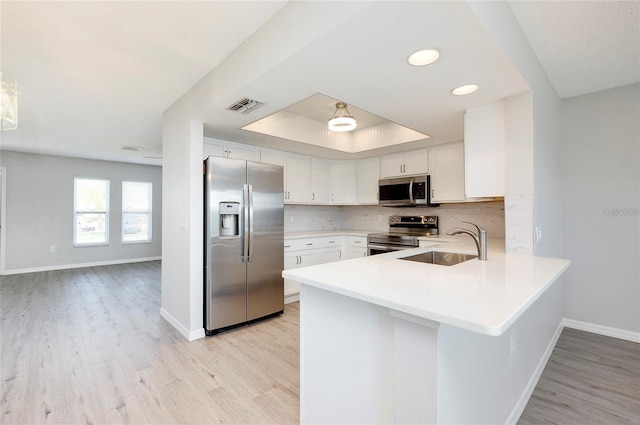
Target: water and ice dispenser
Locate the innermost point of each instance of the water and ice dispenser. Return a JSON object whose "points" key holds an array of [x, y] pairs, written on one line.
{"points": [[229, 218]]}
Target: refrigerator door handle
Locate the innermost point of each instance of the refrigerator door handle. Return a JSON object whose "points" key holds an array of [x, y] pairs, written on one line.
{"points": [[245, 224], [250, 247]]}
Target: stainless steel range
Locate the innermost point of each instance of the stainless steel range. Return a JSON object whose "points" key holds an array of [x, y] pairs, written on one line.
{"points": [[403, 233]]}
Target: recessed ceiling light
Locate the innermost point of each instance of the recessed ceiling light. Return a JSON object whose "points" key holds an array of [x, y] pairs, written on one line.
{"points": [[466, 89], [424, 57]]}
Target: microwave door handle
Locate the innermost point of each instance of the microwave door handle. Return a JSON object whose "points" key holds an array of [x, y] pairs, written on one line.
{"points": [[411, 191]]}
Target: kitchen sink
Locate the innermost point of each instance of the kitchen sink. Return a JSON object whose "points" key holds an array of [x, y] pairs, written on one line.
{"points": [[440, 258]]}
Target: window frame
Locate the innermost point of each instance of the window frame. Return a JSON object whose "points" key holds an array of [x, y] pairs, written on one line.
{"points": [[149, 213], [106, 213]]}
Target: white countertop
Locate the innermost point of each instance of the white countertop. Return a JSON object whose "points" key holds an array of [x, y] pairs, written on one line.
{"points": [[480, 296]]}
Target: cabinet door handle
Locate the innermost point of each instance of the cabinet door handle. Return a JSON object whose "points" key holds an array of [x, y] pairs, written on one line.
{"points": [[433, 193], [313, 196], [339, 253], [298, 259], [287, 246], [332, 241], [400, 168], [309, 244], [357, 241]]}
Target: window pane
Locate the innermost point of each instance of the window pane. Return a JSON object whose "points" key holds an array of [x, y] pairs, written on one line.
{"points": [[136, 211], [91, 195], [91, 228], [91, 211]]}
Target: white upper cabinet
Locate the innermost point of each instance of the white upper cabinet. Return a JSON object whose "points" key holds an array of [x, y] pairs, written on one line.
{"points": [[405, 163], [320, 181], [367, 176], [222, 148], [343, 182], [214, 147], [484, 151], [240, 151], [446, 166], [297, 179], [270, 156]]}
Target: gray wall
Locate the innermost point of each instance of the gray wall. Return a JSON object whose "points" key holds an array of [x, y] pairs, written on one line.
{"points": [[39, 211], [601, 161]]}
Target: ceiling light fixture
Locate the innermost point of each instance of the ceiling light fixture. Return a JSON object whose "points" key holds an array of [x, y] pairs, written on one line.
{"points": [[424, 57], [463, 90], [341, 119]]}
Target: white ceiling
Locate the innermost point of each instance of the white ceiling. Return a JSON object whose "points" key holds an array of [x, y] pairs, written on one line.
{"points": [[97, 75], [584, 46]]}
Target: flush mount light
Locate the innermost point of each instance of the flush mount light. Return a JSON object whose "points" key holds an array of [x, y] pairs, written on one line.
{"points": [[424, 57], [341, 119], [463, 90]]}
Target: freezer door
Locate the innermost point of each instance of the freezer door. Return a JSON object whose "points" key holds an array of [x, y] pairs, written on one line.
{"points": [[265, 285], [225, 272]]}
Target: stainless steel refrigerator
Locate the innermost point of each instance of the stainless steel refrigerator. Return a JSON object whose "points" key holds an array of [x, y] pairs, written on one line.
{"points": [[244, 242]]}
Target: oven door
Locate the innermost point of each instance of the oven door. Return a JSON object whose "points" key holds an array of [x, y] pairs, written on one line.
{"points": [[374, 249]]}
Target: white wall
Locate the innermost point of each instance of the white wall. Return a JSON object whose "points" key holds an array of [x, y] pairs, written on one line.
{"points": [[39, 212], [601, 180]]}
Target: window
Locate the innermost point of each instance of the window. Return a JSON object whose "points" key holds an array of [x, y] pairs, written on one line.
{"points": [[136, 211], [91, 212]]}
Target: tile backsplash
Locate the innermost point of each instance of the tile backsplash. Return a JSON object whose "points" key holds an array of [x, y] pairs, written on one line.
{"points": [[489, 215]]}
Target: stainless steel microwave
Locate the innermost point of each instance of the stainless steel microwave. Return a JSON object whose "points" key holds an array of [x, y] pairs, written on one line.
{"points": [[412, 191]]}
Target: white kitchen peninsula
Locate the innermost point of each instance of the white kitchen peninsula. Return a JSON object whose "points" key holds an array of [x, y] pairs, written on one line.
{"points": [[386, 340]]}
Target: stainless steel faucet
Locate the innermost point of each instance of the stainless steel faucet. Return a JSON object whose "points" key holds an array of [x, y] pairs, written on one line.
{"points": [[480, 239]]}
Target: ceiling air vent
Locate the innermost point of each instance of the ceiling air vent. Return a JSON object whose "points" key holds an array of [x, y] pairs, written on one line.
{"points": [[244, 106], [132, 148]]}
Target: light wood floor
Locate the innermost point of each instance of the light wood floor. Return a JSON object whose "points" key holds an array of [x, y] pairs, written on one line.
{"points": [[589, 379], [88, 346]]}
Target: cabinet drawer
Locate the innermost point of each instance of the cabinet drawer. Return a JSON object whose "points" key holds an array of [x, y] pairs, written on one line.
{"points": [[296, 244], [330, 241], [358, 241]]}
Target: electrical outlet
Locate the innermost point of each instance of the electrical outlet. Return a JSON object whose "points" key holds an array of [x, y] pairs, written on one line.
{"points": [[538, 235], [52, 248], [513, 344], [291, 219], [379, 219]]}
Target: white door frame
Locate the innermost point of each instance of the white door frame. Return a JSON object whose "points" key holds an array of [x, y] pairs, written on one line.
{"points": [[3, 217]]}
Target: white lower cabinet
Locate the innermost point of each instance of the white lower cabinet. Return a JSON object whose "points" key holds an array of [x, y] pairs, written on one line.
{"points": [[293, 260], [357, 247], [303, 252]]}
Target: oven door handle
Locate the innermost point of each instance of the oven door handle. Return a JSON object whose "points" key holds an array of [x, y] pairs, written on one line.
{"points": [[390, 247]]}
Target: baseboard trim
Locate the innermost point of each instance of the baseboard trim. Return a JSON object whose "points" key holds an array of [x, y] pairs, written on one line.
{"points": [[535, 377], [189, 335], [291, 298], [79, 265], [602, 330]]}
